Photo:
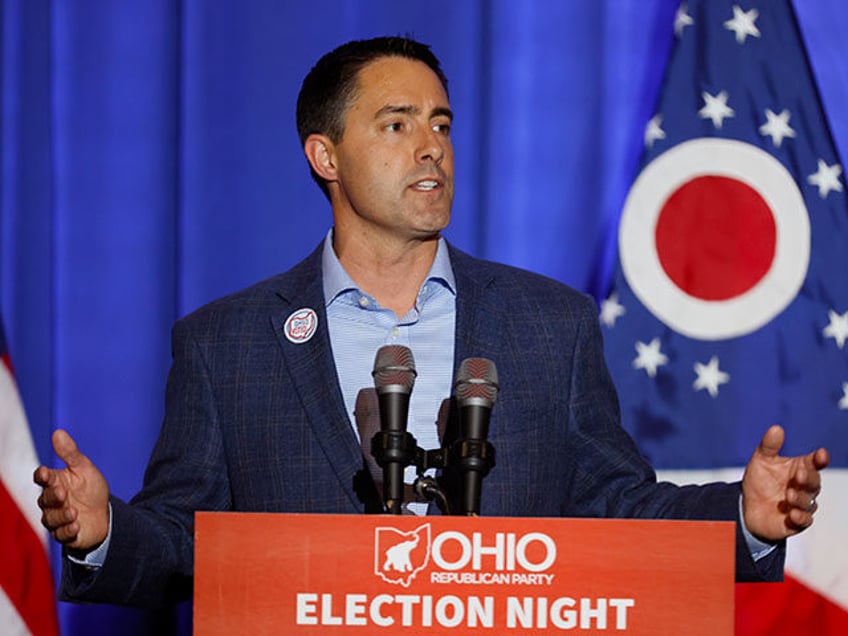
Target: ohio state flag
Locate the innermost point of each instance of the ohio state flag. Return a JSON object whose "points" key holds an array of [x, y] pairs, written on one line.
{"points": [[27, 597], [729, 306]]}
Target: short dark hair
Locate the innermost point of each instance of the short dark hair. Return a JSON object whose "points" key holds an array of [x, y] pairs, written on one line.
{"points": [[330, 87]]}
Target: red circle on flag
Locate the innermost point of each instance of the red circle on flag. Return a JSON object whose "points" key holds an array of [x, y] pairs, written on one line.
{"points": [[715, 237], [707, 268]]}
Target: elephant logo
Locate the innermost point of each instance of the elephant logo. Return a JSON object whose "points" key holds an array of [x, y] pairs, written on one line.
{"points": [[399, 556]]}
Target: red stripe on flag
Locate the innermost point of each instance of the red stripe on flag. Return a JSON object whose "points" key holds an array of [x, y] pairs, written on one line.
{"points": [[25, 575], [777, 609]]}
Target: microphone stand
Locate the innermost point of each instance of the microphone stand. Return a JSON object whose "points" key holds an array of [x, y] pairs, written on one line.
{"points": [[470, 457], [394, 450]]}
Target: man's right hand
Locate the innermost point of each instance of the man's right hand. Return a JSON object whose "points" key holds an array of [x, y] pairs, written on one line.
{"points": [[74, 501]]}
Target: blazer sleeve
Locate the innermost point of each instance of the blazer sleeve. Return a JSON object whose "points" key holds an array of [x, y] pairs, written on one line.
{"points": [[610, 464], [150, 558]]}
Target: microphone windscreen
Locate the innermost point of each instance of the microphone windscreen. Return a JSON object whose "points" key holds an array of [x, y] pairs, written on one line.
{"points": [[394, 366], [477, 379]]}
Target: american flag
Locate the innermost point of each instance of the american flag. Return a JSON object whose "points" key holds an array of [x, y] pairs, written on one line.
{"points": [[27, 596], [729, 306]]}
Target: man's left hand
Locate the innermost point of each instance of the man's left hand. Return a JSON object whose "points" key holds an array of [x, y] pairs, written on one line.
{"points": [[779, 493]]}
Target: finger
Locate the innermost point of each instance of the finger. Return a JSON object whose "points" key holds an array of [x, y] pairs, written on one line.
{"points": [[806, 479], [56, 518], [799, 520], [802, 499], [53, 497], [66, 534], [67, 450], [43, 476], [821, 459], [772, 441]]}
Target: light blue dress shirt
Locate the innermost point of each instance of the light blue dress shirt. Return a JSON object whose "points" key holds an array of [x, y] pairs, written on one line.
{"points": [[358, 327]]}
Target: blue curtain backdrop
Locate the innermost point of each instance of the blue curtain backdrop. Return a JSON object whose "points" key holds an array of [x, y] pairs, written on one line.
{"points": [[150, 164]]}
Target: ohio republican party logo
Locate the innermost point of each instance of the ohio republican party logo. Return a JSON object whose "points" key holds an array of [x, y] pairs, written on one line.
{"points": [[715, 238], [475, 558], [399, 556]]}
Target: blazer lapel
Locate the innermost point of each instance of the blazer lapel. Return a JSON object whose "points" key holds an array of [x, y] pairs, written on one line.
{"points": [[478, 331], [313, 371]]}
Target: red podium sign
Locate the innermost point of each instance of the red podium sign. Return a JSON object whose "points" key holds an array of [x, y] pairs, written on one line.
{"points": [[258, 573]]}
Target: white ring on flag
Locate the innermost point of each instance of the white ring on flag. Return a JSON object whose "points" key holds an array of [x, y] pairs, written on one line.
{"points": [[742, 314]]}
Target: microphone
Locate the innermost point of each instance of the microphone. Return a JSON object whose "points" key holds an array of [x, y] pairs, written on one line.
{"points": [[476, 389], [393, 448]]}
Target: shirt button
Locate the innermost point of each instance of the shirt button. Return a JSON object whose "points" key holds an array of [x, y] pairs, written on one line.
{"points": [[363, 301], [395, 332]]}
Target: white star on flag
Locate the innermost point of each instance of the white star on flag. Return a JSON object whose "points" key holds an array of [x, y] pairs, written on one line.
{"points": [[742, 24], [843, 403], [777, 126], [826, 178], [838, 327], [682, 19], [650, 357], [710, 376], [654, 131], [716, 108], [611, 310]]}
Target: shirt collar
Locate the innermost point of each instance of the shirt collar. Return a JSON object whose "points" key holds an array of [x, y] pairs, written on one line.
{"points": [[337, 281]]}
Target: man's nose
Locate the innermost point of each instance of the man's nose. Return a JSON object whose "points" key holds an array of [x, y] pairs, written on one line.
{"points": [[431, 147]]}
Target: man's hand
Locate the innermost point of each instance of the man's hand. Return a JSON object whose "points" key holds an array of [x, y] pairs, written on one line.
{"points": [[74, 501], [779, 493]]}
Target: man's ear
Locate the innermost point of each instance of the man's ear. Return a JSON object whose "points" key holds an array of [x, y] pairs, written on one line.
{"points": [[320, 154]]}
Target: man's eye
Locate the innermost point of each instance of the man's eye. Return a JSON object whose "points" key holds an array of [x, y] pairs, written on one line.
{"points": [[444, 129], [395, 126]]}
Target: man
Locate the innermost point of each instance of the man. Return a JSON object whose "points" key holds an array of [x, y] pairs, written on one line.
{"points": [[261, 394]]}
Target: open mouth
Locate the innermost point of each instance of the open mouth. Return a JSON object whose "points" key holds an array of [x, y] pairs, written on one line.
{"points": [[426, 185]]}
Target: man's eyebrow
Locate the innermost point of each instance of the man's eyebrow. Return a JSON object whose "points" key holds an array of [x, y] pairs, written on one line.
{"points": [[442, 111], [409, 109], [397, 109]]}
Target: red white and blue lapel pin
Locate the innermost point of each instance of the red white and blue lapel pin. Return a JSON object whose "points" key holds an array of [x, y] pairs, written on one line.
{"points": [[301, 325]]}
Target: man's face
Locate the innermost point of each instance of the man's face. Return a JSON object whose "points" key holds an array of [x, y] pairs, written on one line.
{"points": [[394, 162]]}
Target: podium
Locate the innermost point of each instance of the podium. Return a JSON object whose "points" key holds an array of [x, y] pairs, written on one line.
{"points": [[263, 573]]}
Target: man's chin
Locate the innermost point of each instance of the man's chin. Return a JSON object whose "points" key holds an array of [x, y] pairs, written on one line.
{"points": [[435, 230], [431, 236]]}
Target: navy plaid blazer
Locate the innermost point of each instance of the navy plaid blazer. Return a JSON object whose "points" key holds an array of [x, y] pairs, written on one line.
{"points": [[255, 422]]}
